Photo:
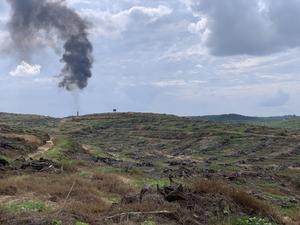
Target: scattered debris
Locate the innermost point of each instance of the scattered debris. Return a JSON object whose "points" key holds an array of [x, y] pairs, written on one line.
{"points": [[40, 165]]}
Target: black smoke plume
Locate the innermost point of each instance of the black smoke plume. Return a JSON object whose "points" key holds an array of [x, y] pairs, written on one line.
{"points": [[36, 22]]}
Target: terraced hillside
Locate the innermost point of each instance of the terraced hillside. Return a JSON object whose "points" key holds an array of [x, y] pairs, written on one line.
{"points": [[239, 171]]}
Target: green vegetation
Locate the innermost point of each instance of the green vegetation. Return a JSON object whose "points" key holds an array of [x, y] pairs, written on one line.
{"points": [[31, 205], [151, 182], [56, 222], [86, 174], [252, 221], [148, 222], [81, 223], [5, 158]]}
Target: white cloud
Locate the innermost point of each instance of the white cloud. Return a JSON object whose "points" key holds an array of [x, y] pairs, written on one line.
{"points": [[178, 83], [201, 28], [175, 54], [168, 83], [26, 70], [109, 24]]}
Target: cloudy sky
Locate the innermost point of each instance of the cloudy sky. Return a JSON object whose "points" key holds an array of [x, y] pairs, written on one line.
{"points": [[184, 57]]}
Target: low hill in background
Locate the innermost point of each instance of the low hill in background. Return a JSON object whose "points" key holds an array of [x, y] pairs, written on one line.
{"points": [[289, 121]]}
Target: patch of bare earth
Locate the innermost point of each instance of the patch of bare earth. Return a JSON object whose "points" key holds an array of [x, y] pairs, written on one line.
{"points": [[42, 149]]}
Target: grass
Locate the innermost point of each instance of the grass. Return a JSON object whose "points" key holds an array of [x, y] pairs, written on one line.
{"points": [[56, 222], [87, 199], [6, 158], [151, 182], [31, 205], [85, 174]]}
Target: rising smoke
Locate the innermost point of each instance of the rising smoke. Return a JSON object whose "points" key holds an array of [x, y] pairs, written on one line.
{"points": [[41, 21]]}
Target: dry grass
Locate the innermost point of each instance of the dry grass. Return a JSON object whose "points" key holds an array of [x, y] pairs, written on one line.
{"points": [[25, 137], [112, 183], [240, 197], [86, 200]]}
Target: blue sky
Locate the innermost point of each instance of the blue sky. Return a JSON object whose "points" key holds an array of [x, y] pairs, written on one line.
{"points": [[184, 57]]}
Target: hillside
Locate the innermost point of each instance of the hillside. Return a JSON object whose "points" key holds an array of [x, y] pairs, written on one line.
{"points": [[289, 121], [92, 164]]}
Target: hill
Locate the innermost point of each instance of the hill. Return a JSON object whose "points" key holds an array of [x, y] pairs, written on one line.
{"points": [[148, 169], [289, 121]]}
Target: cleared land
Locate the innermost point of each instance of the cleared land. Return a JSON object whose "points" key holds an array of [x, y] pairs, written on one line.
{"points": [[133, 168]]}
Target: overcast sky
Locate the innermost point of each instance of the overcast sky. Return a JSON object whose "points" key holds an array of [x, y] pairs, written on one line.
{"points": [[184, 57]]}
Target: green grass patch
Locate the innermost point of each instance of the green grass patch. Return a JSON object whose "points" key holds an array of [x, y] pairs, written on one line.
{"points": [[96, 151], [276, 196], [148, 222], [113, 198], [85, 174], [6, 158], [152, 182], [56, 222], [31, 205]]}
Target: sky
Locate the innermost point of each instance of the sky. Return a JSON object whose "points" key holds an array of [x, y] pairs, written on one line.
{"points": [[183, 57]]}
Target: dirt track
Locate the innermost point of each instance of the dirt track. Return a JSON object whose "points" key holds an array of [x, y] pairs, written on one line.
{"points": [[42, 149]]}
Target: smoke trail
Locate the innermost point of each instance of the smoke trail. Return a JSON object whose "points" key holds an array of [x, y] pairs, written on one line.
{"points": [[34, 22]]}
